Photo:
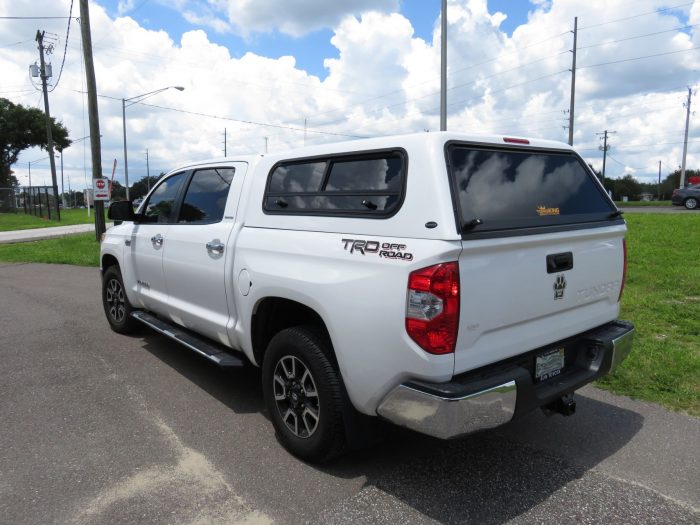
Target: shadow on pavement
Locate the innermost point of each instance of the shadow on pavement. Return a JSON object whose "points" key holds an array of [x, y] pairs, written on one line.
{"points": [[497, 475], [238, 389], [489, 477]]}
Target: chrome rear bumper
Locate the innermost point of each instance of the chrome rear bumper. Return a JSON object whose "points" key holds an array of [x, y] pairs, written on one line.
{"points": [[445, 418], [464, 405]]}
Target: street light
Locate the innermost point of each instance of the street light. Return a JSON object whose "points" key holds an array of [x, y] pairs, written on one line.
{"points": [[136, 100]]}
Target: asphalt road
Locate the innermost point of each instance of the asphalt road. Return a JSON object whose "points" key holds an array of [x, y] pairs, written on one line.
{"points": [[101, 428], [656, 209]]}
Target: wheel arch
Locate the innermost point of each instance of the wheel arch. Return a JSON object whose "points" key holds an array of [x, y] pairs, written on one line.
{"points": [[107, 261], [273, 314]]}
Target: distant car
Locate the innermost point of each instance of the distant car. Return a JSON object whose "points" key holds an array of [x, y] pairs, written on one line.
{"points": [[688, 197]]}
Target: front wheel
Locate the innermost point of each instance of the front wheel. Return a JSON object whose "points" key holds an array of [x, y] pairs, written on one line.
{"points": [[303, 393], [691, 203], [115, 303]]}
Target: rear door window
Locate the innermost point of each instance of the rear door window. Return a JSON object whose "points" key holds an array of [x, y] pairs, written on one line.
{"points": [[513, 189]]}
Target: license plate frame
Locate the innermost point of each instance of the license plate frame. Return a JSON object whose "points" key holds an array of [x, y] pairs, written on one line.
{"points": [[550, 363]]}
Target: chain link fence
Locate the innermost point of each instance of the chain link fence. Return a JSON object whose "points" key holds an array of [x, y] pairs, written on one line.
{"points": [[9, 201]]}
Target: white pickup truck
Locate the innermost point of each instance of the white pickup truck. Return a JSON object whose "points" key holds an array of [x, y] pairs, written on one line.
{"points": [[447, 283]]}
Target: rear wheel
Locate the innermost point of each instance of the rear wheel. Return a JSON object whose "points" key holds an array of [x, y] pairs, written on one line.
{"points": [[691, 203], [115, 303], [303, 393]]}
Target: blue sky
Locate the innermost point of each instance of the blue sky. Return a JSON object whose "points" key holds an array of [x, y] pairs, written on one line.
{"points": [[309, 50]]}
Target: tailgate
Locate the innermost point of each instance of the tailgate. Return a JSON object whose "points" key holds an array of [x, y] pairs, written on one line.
{"points": [[513, 301], [543, 252]]}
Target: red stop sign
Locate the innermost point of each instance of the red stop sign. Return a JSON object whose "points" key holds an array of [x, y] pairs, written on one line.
{"points": [[100, 183]]}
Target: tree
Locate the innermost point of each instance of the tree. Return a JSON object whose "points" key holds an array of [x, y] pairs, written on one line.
{"points": [[22, 128], [627, 186], [118, 191], [140, 187]]}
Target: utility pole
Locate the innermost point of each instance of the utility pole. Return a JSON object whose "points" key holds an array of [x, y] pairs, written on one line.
{"points": [[225, 143], [49, 137], [92, 114], [63, 194], [658, 190], [305, 131], [265, 144], [685, 139], [148, 174], [605, 147], [573, 86], [443, 67]]}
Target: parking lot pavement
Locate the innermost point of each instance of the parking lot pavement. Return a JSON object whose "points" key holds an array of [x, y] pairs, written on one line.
{"points": [[101, 428]]}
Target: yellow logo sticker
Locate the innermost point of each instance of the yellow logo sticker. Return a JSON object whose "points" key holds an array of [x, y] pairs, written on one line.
{"points": [[541, 211]]}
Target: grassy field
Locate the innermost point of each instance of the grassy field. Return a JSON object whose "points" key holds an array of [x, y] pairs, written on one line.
{"points": [[662, 298], [81, 250], [22, 221]]}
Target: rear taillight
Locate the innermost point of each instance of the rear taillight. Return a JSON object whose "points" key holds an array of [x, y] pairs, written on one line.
{"points": [[432, 309], [624, 268]]}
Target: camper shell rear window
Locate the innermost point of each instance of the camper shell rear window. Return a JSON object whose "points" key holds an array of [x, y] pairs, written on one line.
{"points": [[505, 191], [368, 184]]}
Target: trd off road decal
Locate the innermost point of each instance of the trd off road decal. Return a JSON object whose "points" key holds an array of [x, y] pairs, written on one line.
{"points": [[387, 250]]}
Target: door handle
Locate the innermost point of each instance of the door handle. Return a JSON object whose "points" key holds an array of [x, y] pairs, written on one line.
{"points": [[215, 247], [560, 262], [157, 240]]}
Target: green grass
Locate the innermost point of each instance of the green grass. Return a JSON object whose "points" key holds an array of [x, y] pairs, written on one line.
{"points": [[80, 250], [22, 221], [662, 299], [631, 204]]}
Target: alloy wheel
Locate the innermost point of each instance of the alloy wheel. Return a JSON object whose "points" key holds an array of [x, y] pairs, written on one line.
{"points": [[296, 396], [114, 295]]}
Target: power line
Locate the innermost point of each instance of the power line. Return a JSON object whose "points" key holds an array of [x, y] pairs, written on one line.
{"points": [[639, 58], [633, 146], [636, 16], [625, 165], [251, 122], [16, 43], [638, 36], [33, 17], [65, 47]]}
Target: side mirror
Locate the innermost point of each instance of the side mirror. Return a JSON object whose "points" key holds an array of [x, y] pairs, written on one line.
{"points": [[121, 211]]}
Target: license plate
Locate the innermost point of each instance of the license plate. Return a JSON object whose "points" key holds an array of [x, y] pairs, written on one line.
{"points": [[549, 364]]}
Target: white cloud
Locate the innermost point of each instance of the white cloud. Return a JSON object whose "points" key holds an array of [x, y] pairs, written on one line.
{"points": [[385, 80], [296, 17], [124, 6], [207, 20]]}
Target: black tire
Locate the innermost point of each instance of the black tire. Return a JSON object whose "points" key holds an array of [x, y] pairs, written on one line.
{"points": [[691, 203], [303, 393], [116, 304]]}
